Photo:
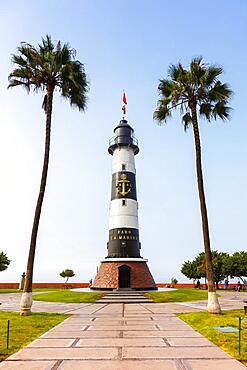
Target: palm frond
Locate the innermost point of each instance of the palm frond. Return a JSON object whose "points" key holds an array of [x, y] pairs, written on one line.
{"points": [[19, 60], [197, 71], [211, 75], [221, 110], [162, 113], [166, 88], [196, 62], [199, 83], [186, 121], [177, 73], [220, 92], [50, 65], [46, 45], [174, 72], [13, 82], [74, 84], [205, 110]]}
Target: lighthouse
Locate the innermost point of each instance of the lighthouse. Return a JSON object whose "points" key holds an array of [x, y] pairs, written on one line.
{"points": [[123, 267]]}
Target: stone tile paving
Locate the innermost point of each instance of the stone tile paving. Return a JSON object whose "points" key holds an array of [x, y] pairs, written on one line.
{"points": [[11, 302], [122, 337], [229, 300]]}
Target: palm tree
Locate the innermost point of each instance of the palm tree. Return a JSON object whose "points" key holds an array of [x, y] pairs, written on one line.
{"points": [[196, 91], [46, 68]]}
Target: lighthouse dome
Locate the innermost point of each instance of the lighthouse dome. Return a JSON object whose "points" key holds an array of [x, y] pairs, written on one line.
{"points": [[123, 136], [123, 124]]}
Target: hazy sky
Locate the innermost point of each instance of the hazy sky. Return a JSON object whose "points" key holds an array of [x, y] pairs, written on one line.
{"points": [[124, 45]]}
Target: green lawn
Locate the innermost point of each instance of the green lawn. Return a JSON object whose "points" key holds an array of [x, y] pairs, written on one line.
{"points": [[24, 329], [203, 322], [68, 296], [4, 291], [179, 295]]}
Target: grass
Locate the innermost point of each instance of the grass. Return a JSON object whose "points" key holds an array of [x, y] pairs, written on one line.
{"points": [[24, 329], [203, 322], [6, 291], [60, 295], [68, 296], [179, 295]]}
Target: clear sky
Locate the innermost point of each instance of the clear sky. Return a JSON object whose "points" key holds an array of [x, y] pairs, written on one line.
{"points": [[124, 45]]}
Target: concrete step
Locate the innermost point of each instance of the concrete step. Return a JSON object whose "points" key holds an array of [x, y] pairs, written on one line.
{"points": [[107, 300], [124, 295], [125, 299], [132, 297], [126, 291]]}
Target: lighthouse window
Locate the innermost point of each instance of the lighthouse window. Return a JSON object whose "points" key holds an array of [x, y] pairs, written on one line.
{"points": [[123, 167], [124, 202]]}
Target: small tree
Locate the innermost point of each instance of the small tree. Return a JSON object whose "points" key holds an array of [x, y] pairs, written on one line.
{"points": [[190, 270], [174, 281], [196, 269], [4, 261], [67, 273], [236, 265], [219, 260]]}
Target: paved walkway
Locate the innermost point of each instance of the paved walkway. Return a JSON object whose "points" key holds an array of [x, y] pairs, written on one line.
{"points": [[123, 336], [229, 300]]}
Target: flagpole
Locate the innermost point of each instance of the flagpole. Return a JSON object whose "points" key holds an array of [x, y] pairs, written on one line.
{"points": [[123, 108]]}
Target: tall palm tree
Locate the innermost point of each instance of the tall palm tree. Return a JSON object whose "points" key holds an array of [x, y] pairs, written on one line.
{"points": [[46, 68], [196, 91]]}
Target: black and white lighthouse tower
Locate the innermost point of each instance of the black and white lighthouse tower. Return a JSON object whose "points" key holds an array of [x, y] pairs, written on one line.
{"points": [[123, 267], [123, 228]]}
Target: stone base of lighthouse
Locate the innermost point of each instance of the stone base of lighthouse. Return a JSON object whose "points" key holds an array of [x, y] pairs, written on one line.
{"points": [[124, 273]]}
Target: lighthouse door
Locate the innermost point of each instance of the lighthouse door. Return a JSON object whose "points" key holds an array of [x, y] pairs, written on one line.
{"points": [[124, 276]]}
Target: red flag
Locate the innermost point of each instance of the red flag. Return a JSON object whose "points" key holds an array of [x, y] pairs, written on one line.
{"points": [[124, 103]]}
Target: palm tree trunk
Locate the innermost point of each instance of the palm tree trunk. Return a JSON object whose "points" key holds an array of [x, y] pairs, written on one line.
{"points": [[213, 304], [26, 299]]}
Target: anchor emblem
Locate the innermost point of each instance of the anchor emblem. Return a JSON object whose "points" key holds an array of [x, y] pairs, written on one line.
{"points": [[123, 186]]}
